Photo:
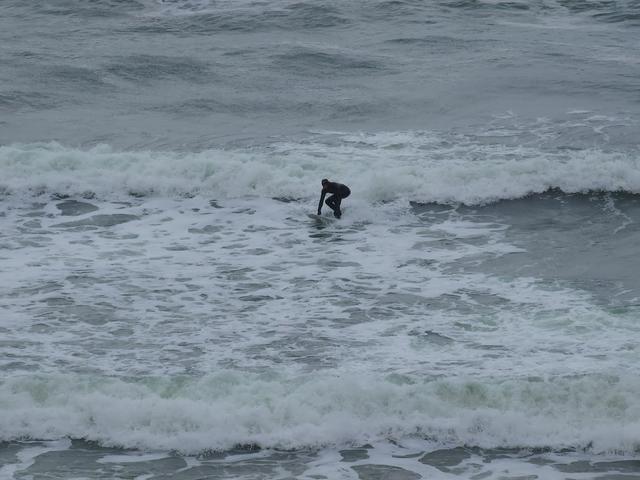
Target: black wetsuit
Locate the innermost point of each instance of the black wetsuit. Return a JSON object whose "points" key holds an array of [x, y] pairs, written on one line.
{"points": [[339, 192]]}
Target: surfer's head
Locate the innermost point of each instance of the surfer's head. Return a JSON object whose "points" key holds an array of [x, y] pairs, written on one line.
{"points": [[324, 181]]}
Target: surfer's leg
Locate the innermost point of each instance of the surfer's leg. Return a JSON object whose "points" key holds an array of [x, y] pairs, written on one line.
{"points": [[331, 202], [334, 204], [336, 211]]}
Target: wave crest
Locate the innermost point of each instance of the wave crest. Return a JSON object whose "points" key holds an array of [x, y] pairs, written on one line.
{"points": [[414, 167], [221, 411]]}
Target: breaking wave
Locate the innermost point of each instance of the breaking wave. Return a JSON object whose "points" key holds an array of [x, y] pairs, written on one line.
{"points": [[220, 411], [401, 166]]}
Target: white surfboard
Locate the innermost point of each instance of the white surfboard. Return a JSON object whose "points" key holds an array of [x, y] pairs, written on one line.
{"points": [[322, 218]]}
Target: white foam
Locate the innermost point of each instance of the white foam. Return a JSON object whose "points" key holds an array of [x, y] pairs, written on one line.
{"points": [[262, 292], [418, 166], [365, 379], [227, 409], [132, 458]]}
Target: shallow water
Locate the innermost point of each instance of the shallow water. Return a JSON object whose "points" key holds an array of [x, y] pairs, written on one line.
{"points": [[64, 458]]}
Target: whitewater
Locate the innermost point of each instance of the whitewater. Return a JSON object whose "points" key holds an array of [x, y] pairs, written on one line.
{"points": [[170, 308], [425, 167]]}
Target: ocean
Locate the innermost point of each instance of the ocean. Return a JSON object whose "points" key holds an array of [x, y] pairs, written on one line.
{"points": [[170, 307]]}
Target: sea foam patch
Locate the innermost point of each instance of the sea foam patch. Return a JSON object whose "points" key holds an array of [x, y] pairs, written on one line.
{"points": [[185, 286]]}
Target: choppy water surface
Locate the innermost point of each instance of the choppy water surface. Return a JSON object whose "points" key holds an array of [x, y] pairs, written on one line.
{"points": [[169, 74], [196, 325], [171, 310]]}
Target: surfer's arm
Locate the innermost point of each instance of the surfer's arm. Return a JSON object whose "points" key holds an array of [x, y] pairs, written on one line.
{"points": [[321, 200]]}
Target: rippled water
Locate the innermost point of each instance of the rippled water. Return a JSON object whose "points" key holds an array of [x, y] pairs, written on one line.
{"points": [[196, 74], [170, 309]]}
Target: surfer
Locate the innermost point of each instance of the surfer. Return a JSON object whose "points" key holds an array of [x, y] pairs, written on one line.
{"points": [[339, 192]]}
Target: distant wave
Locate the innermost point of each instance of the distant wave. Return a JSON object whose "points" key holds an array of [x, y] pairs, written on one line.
{"points": [[224, 410], [305, 60], [385, 167], [611, 12], [148, 67], [627, 11], [207, 16]]}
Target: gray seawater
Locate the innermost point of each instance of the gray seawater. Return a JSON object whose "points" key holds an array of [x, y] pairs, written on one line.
{"points": [[170, 310]]}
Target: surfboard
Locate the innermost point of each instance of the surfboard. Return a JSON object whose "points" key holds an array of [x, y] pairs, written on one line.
{"points": [[322, 219]]}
